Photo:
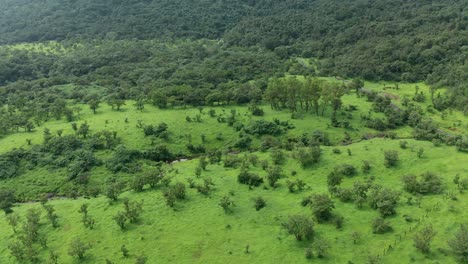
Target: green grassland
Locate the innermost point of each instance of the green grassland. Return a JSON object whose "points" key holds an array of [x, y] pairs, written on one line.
{"points": [[197, 230]]}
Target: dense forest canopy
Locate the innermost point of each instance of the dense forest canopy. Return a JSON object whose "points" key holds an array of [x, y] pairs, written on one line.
{"points": [[375, 40]]}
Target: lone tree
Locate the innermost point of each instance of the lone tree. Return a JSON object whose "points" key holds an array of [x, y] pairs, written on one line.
{"points": [[78, 248], [322, 206], [423, 238], [459, 244], [300, 226], [94, 105], [7, 198]]}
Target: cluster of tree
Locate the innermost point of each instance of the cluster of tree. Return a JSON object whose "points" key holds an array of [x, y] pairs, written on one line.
{"points": [[312, 94]]}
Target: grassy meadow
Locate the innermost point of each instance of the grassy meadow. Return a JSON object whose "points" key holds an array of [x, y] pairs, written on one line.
{"points": [[197, 230]]}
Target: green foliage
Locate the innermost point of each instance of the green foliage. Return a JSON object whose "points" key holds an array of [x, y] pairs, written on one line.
{"points": [[274, 174], [249, 178], [380, 226], [259, 203], [263, 127], [459, 244], [300, 226], [322, 207], [423, 238], [7, 198], [429, 183], [391, 158], [308, 156], [226, 203], [77, 248], [384, 200]]}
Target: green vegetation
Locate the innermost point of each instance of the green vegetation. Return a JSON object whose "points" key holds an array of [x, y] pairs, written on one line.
{"points": [[233, 131]]}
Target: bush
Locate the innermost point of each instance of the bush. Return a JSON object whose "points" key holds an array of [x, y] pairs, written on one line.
{"points": [[345, 195], [379, 226], [158, 152], [249, 178], [384, 200], [391, 158], [423, 238], [322, 206], [274, 174], [459, 244], [403, 144], [226, 203], [308, 156], [179, 190], [259, 203], [78, 248], [429, 183], [346, 169], [263, 127], [231, 161], [365, 167]]}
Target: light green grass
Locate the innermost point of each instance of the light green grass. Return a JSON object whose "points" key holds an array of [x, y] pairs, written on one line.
{"points": [[196, 231]]}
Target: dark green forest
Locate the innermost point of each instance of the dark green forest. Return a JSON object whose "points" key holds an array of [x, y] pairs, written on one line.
{"points": [[376, 40]]}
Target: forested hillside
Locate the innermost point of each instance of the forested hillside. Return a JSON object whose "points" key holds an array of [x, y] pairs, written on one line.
{"points": [[376, 40], [240, 131]]}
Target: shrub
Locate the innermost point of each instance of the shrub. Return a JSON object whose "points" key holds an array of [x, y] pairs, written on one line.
{"points": [[263, 127], [346, 169], [226, 203], [423, 238], [274, 174], [379, 226], [429, 183], [384, 200], [322, 206], [78, 248], [249, 178], [459, 244], [259, 203], [391, 158]]}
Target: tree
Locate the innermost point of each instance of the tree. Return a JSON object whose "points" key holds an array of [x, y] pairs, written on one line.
{"points": [[459, 244], [114, 189], [78, 249], [140, 104], [83, 130], [51, 215], [423, 238], [322, 206], [94, 105], [7, 198], [300, 226]]}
